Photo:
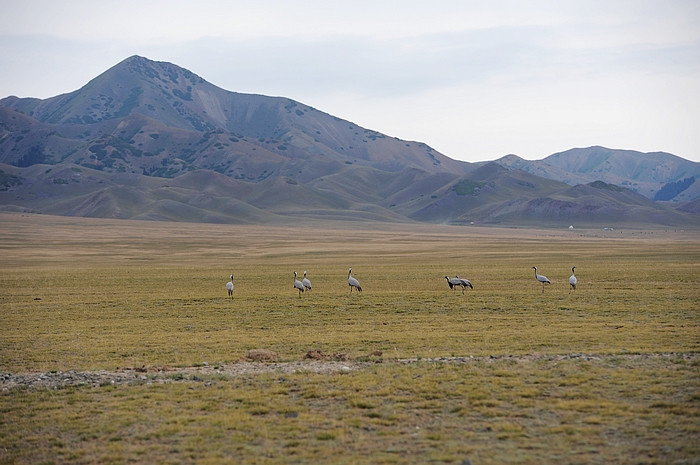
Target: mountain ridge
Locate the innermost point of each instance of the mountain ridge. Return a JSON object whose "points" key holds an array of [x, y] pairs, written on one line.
{"points": [[645, 173], [151, 140]]}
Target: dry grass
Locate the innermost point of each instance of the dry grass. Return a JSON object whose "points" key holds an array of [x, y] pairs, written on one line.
{"points": [[100, 294]]}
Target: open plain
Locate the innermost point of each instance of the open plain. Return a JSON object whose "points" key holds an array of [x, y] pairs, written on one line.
{"points": [[119, 344]]}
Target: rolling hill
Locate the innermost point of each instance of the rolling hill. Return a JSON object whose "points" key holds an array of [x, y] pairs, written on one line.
{"points": [[649, 174], [151, 140]]}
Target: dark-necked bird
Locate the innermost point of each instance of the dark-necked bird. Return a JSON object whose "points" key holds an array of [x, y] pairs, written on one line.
{"points": [[352, 282], [572, 280], [542, 279], [229, 287], [452, 282], [465, 283], [297, 284], [457, 281], [306, 282]]}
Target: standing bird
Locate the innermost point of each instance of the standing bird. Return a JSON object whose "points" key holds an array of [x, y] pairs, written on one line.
{"points": [[298, 284], [454, 282], [572, 280], [465, 283], [229, 287], [352, 282], [306, 282], [542, 279]]}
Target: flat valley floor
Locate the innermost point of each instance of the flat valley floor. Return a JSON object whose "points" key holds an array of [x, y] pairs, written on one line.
{"points": [[119, 344]]}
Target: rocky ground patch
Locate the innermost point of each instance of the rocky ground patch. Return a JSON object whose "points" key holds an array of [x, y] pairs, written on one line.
{"points": [[317, 362]]}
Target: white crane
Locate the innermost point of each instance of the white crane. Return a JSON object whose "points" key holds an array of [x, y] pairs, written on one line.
{"points": [[306, 282], [297, 284], [229, 287], [352, 282], [543, 279], [572, 280]]}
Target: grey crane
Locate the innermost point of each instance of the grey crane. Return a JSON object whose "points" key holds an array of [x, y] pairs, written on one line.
{"points": [[229, 287], [456, 281], [465, 283], [572, 280], [452, 282], [543, 279], [297, 284], [306, 282], [352, 282]]}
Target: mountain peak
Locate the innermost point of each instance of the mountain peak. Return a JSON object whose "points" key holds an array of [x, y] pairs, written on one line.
{"points": [[157, 70], [159, 90], [510, 158], [512, 161], [149, 139], [180, 111]]}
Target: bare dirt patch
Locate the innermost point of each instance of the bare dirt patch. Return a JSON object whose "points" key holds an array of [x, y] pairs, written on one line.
{"points": [[246, 367]]}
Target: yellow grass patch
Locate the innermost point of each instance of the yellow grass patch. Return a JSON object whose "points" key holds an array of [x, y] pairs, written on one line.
{"points": [[556, 377]]}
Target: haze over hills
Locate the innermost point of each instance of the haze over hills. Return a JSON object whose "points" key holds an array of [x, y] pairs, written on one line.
{"points": [[151, 140]]}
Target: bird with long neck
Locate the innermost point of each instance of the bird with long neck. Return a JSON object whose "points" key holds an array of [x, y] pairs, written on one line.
{"points": [[297, 284], [541, 278], [452, 282], [572, 280], [352, 282], [465, 283], [229, 287], [306, 282], [457, 281]]}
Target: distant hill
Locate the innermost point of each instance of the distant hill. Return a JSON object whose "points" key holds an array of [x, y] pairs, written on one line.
{"points": [[645, 173], [151, 140]]}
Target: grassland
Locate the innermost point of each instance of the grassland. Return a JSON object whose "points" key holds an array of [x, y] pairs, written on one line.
{"points": [[492, 376]]}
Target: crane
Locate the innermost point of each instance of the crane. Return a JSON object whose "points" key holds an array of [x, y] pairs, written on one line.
{"points": [[352, 282], [229, 287], [543, 279], [454, 282], [306, 282], [465, 283], [572, 280], [298, 285]]}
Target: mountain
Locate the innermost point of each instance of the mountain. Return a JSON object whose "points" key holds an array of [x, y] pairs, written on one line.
{"points": [[173, 121], [657, 176], [151, 140]]}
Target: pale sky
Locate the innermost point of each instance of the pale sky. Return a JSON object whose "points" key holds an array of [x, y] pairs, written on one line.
{"points": [[474, 79]]}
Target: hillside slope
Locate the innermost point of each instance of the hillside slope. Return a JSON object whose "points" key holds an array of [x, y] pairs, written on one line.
{"points": [[645, 173], [151, 140]]}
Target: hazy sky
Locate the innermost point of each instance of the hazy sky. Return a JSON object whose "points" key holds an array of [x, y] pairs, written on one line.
{"points": [[476, 80]]}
